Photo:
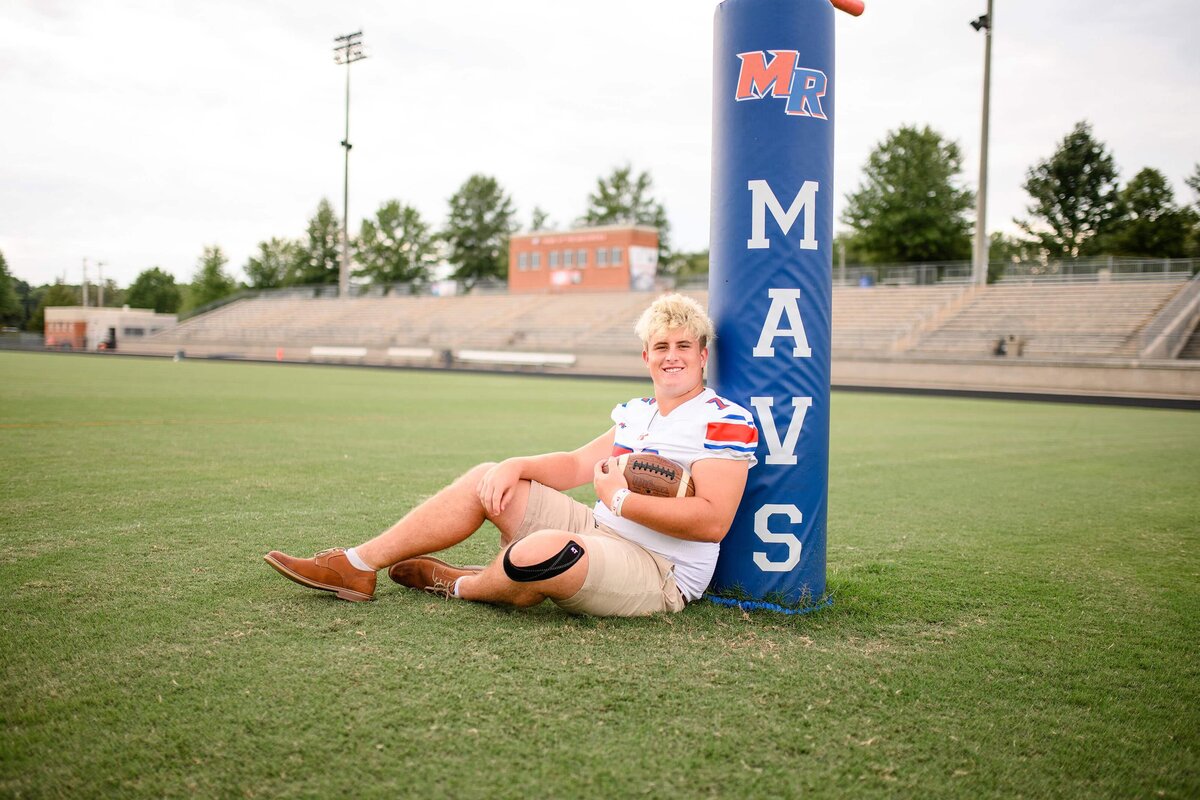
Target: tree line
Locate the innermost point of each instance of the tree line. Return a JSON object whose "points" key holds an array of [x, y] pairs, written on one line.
{"points": [[913, 206], [393, 247]]}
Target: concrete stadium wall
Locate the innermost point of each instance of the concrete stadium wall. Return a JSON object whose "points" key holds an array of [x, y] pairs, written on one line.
{"points": [[1098, 378], [1107, 378]]}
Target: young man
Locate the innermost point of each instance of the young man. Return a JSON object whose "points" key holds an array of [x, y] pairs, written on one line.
{"points": [[629, 555]]}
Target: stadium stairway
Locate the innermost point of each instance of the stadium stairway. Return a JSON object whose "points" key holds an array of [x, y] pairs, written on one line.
{"points": [[1191, 349]]}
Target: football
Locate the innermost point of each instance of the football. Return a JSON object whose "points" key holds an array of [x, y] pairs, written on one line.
{"points": [[651, 474]]}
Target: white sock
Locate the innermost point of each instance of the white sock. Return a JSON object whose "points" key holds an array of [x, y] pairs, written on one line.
{"points": [[356, 561], [457, 581]]}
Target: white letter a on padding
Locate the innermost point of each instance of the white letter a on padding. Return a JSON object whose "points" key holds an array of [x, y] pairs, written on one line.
{"points": [[784, 302]]}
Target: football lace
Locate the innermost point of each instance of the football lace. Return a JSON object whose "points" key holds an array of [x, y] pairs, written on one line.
{"points": [[646, 466]]}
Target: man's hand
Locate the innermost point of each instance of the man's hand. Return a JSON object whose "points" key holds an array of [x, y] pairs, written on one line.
{"points": [[706, 517], [607, 483], [498, 485]]}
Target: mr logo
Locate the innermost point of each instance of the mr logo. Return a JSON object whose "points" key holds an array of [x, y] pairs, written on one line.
{"points": [[802, 87]]}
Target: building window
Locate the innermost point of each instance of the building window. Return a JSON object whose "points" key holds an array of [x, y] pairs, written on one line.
{"points": [[581, 258], [523, 261], [601, 257], [616, 256], [536, 261], [568, 258], [134, 331], [553, 259]]}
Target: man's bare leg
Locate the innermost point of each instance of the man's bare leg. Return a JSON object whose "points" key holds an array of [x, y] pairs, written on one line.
{"points": [[444, 520]]}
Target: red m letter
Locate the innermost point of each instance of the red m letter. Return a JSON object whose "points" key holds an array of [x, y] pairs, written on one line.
{"points": [[757, 77]]}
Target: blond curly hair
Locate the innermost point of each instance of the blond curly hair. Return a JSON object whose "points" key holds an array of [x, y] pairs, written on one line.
{"points": [[673, 311]]}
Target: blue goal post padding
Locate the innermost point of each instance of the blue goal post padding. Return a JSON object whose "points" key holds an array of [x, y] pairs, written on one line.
{"points": [[770, 282]]}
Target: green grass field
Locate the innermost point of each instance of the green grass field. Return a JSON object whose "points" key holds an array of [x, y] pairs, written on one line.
{"points": [[1017, 603]]}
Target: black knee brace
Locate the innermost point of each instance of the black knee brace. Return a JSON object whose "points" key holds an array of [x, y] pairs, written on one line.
{"points": [[552, 567]]}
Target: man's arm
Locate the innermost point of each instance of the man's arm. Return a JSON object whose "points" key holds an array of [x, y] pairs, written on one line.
{"points": [[562, 471], [703, 518]]}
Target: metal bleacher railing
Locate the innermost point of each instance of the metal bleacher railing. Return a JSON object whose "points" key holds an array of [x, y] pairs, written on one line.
{"points": [[914, 274], [1170, 329], [922, 274], [1102, 268], [1099, 268]]}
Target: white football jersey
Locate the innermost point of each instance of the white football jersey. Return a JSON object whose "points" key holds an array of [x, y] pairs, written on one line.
{"points": [[707, 426]]}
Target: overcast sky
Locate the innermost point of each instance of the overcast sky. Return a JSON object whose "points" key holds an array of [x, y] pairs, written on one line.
{"points": [[136, 133]]}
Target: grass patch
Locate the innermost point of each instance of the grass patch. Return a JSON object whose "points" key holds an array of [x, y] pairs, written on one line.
{"points": [[1016, 603]]}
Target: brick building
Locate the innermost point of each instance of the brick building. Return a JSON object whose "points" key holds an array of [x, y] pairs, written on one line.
{"points": [[613, 257], [100, 327]]}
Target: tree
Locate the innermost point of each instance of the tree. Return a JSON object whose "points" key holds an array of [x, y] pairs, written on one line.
{"points": [[625, 199], [155, 289], [1013, 249], [31, 300], [272, 266], [910, 205], [851, 244], [1151, 224], [10, 304], [539, 220], [481, 219], [114, 296], [1193, 182], [396, 246], [318, 258], [28, 298], [1074, 193], [60, 294], [1005, 251], [211, 282], [687, 265]]}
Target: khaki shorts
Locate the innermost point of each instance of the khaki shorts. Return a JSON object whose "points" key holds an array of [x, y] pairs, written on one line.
{"points": [[624, 579]]}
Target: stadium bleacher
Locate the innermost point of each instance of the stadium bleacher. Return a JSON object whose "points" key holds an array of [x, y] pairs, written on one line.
{"points": [[1043, 320], [903, 330], [882, 319]]}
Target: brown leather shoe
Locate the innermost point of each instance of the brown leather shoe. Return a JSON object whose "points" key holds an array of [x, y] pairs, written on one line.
{"points": [[329, 571], [429, 574]]}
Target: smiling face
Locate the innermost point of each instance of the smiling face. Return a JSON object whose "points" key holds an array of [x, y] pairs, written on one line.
{"points": [[676, 362]]}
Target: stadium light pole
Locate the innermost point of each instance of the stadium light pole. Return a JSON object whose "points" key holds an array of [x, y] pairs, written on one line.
{"points": [[980, 265], [347, 51]]}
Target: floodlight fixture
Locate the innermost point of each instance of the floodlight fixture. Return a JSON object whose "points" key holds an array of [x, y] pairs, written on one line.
{"points": [[349, 48]]}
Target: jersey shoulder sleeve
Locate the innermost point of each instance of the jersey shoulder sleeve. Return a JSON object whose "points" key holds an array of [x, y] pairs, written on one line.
{"points": [[631, 410], [729, 431]]}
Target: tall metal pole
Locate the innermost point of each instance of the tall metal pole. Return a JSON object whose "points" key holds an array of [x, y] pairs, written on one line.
{"points": [[348, 50], [344, 273], [84, 287], [979, 270]]}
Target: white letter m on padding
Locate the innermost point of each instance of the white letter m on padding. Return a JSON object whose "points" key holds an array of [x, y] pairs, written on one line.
{"points": [[762, 198]]}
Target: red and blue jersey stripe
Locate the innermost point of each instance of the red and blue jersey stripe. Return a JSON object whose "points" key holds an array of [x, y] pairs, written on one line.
{"points": [[731, 433]]}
